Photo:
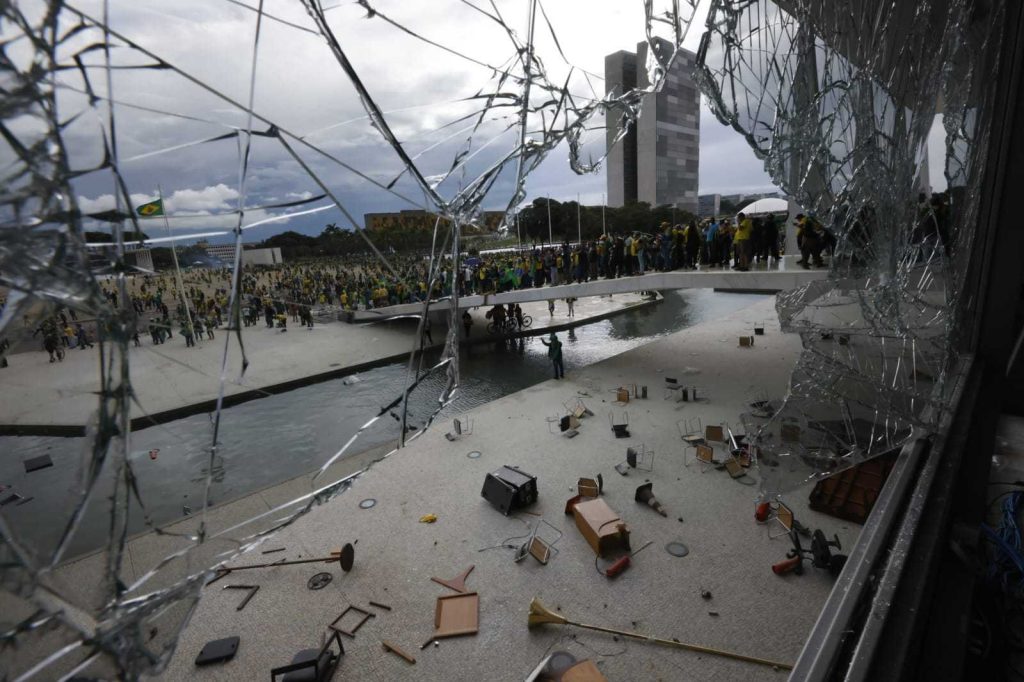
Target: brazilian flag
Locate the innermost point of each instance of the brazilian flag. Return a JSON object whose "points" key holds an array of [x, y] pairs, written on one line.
{"points": [[151, 210]]}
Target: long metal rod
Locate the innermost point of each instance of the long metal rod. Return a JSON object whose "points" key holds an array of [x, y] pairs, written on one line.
{"points": [[323, 560], [688, 647]]}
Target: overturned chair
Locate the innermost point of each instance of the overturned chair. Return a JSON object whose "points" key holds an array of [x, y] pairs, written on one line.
{"points": [[460, 427]]}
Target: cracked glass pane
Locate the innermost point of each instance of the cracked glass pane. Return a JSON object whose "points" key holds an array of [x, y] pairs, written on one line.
{"points": [[838, 99], [101, 101]]}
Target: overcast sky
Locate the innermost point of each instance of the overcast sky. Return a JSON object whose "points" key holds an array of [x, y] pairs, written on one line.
{"points": [[300, 87]]}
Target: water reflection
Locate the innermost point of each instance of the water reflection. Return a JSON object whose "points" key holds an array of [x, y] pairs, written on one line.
{"points": [[273, 439]]}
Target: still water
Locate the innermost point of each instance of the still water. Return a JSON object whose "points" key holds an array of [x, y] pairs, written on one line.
{"points": [[266, 441]]}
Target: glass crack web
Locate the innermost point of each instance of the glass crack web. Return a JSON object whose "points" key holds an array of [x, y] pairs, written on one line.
{"points": [[838, 98], [104, 107]]}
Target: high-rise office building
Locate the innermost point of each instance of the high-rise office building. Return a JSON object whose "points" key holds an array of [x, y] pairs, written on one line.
{"points": [[657, 160]]}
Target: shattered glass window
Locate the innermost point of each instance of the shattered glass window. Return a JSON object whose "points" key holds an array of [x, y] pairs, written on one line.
{"points": [[101, 101], [838, 99]]}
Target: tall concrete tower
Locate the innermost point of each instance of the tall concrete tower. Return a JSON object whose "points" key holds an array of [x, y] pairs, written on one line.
{"points": [[658, 160]]}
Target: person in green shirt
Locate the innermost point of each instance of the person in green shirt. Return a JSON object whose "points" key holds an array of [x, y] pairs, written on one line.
{"points": [[555, 353]]}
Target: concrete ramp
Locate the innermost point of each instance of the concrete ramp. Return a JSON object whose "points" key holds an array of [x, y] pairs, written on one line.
{"points": [[782, 276]]}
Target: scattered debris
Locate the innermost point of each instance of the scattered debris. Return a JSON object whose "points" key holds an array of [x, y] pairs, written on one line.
{"points": [[705, 594], [620, 427], [388, 646], [253, 589], [367, 503], [475, 454], [509, 488], [13, 497], [820, 553], [540, 615], [366, 615], [380, 606], [217, 651], [323, 661], [344, 556], [428, 518], [37, 463], [457, 614], [622, 469], [602, 528], [458, 583], [588, 487], [746, 341], [643, 460], [620, 564], [712, 613], [459, 429], [645, 494], [319, 581], [272, 551]]}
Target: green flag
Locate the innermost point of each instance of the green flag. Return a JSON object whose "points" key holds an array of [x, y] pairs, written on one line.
{"points": [[151, 210]]}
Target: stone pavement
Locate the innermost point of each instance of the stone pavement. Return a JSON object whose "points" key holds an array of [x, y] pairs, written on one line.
{"points": [[172, 381], [751, 611]]}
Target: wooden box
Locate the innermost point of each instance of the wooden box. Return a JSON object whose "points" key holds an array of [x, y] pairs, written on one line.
{"points": [[602, 528]]}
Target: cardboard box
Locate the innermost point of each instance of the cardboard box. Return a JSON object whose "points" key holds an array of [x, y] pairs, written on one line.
{"points": [[602, 528]]}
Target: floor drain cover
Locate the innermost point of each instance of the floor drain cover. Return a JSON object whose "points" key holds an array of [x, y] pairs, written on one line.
{"points": [[677, 549], [367, 503], [319, 581], [474, 455]]}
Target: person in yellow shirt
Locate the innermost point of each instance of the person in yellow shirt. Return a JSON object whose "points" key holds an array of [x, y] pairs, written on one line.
{"points": [[744, 231]]}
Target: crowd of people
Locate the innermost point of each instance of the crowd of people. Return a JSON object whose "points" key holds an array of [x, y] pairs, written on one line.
{"points": [[194, 303]]}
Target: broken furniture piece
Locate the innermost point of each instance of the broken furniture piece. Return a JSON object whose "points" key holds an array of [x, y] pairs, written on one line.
{"points": [[217, 651], [508, 489], [620, 427], [820, 552], [351, 633], [691, 431], [589, 487], [642, 459], [673, 387], [388, 646], [577, 408], [460, 427], [312, 665], [784, 517], [645, 494], [344, 556], [253, 589], [568, 425], [715, 433], [601, 527], [538, 547], [622, 395], [37, 463], [704, 454], [457, 614], [541, 615], [458, 583]]}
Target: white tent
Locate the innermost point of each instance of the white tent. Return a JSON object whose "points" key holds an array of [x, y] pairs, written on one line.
{"points": [[765, 206]]}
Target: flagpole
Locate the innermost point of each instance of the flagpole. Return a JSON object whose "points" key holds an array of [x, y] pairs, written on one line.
{"points": [[579, 225], [551, 239], [604, 200], [177, 269]]}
